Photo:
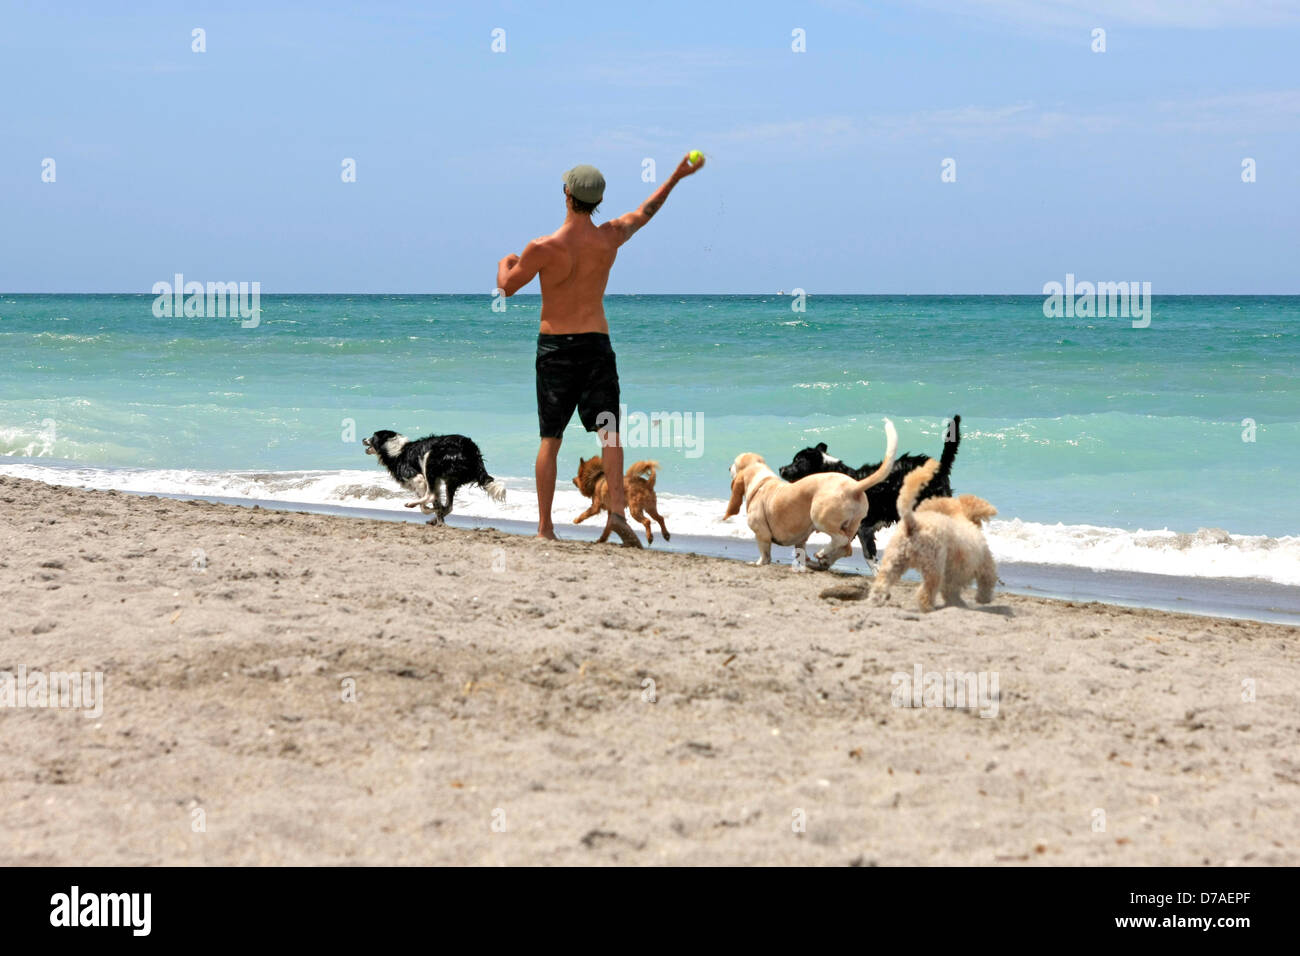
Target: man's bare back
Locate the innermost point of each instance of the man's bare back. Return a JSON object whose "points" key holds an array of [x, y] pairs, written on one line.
{"points": [[575, 363]]}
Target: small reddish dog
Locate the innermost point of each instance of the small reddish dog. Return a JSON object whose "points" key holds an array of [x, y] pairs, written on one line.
{"points": [[640, 484]]}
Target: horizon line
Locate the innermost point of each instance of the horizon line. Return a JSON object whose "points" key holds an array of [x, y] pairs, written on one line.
{"points": [[615, 295]]}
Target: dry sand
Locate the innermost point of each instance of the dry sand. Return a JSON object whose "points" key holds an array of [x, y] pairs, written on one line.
{"points": [[500, 714]]}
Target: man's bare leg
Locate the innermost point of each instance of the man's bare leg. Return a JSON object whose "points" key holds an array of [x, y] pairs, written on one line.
{"points": [[611, 456], [544, 475]]}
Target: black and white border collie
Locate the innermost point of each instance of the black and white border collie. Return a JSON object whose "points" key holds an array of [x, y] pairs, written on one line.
{"points": [[433, 468], [882, 499]]}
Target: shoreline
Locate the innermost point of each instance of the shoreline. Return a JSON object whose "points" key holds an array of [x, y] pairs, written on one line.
{"points": [[1249, 599]]}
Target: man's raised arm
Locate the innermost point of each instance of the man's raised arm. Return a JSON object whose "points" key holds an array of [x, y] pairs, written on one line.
{"points": [[628, 224]]}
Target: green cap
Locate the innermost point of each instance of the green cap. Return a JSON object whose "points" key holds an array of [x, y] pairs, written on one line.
{"points": [[585, 183]]}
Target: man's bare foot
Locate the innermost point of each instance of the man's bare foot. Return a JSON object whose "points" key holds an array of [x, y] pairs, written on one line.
{"points": [[618, 524], [547, 535]]}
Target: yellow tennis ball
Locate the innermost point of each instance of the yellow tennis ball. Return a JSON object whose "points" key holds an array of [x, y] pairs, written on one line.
{"points": [[694, 156]]}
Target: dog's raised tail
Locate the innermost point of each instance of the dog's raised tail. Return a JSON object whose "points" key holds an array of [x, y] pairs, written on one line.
{"points": [[916, 479], [950, 443], [495, 489], [643, 469], [976, 509], [886, 466]]}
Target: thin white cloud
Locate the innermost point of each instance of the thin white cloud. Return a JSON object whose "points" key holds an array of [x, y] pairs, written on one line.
{"points": [[820, 128], [1236, 114], [1177, 14], [663, 68]]}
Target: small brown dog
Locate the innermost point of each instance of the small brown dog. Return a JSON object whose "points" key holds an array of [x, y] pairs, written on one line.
{"points": [[640, 484]]}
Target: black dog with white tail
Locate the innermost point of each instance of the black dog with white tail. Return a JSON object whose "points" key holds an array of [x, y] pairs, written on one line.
{"points": [[882, 499], [433, 468]]}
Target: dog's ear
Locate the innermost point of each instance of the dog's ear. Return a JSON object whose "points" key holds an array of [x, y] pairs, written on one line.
{"points": [[737, 496], [821, 447]]}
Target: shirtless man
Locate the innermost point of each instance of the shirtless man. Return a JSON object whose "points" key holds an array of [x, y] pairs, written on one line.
{"points": [[575, 363]]}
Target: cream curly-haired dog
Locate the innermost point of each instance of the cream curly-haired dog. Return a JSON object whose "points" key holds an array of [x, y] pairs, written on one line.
{"points": [[942, 541]]}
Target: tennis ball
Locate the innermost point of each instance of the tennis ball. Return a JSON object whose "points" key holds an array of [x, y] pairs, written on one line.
{"points": [[694, 157]]}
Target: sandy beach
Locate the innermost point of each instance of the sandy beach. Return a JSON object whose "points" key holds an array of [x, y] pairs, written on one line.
{"points": [[288, 688]]}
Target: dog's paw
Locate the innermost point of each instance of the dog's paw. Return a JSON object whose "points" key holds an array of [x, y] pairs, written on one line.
{"points": [[821, 561]]}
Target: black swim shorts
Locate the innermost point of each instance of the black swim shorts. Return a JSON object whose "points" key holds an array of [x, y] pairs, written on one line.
{"points": [[576, 371]]}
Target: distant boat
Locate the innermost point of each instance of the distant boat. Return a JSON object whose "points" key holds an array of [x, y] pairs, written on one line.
{"points": [[780, 291]]}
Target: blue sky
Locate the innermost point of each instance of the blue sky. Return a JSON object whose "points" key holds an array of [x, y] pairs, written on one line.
{"points": [[824, 166]]}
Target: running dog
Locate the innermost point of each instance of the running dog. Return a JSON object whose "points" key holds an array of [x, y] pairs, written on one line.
{"points": [[787, 513], [949, 550], [433, 468], [640, 484]]}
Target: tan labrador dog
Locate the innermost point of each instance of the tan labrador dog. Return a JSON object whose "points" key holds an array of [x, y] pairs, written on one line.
{"points": [[787, 513]]}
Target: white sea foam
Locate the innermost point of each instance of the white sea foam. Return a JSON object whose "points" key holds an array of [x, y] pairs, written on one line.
{"points": [[1207, 552], [1203, 553]]}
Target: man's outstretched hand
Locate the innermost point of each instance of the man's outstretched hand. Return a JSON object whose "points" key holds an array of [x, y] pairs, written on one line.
{"points": [[627, 225], [685, 168]]}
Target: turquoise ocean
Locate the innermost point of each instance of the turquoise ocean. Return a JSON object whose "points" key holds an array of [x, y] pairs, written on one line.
{"points": [[1172, 449]]}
